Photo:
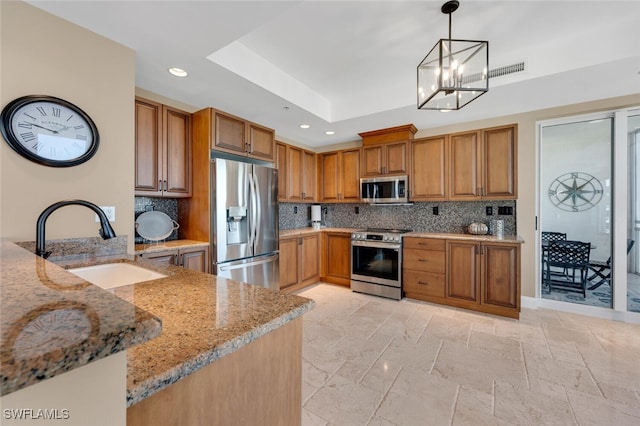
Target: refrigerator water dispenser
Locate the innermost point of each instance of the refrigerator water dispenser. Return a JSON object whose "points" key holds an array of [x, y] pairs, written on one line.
{"points": [[237, 225]]}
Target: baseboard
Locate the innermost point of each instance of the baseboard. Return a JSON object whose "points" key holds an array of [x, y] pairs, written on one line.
{"points": [[575, 308]]}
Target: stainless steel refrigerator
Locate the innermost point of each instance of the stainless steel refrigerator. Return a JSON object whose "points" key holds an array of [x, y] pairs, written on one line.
{"points": [[244, 244]]}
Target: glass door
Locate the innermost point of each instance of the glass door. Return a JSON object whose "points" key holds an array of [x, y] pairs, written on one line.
{"points": [[633, 203], [576, 188]]}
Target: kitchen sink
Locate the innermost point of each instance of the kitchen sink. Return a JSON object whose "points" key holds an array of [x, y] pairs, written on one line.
{"points": [[111, 275]]}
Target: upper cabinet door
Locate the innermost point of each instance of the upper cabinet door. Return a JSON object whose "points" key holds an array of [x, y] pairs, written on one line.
{"points": [[429, 178], [466, 166], [177, 145], [294, 173], [500, 155], [283, 171], [229, 133], [330, 176], [262, 143], [309, 182], [148, 147], [372, 160], [350, 165]]}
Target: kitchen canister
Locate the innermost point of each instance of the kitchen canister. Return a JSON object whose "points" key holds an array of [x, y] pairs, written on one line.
{"points": [[497, 227], [477, 228]]}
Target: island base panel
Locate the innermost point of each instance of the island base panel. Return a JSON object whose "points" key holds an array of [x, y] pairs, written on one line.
{"points": [[260, 383]]}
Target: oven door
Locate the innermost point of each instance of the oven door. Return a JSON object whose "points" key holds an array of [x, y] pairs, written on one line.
{"points": [[377, 263]]}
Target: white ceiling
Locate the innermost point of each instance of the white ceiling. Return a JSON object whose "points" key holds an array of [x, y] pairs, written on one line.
{"points": [[350, 66]]}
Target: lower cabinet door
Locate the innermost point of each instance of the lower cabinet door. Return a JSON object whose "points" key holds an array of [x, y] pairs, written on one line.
{"points": [[501, 274], [288, 262], [196, 259], [464, 270], [167, 257]]}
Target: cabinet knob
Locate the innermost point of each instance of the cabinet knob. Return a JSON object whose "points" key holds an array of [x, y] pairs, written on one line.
{"points": [[423, 260], [423, 283]]}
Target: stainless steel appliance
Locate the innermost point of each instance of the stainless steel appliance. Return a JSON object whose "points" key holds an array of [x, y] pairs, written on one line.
{"points": [[244, 244], [376, 262], [387, 189]]}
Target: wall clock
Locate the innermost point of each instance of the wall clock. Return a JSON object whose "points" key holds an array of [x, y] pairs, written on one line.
{"points": [[575, 191], [49, 131]]}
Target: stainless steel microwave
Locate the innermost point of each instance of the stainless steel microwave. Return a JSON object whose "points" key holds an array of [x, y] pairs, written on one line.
{"points": [[387, 189]]}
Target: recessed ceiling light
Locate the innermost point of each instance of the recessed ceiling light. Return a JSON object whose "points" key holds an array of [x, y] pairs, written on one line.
{"points": [[178, 72], [329, 132], [304, 126]]}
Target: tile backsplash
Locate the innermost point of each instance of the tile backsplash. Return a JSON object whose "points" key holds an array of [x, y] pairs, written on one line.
{"points": [[453, 216]]}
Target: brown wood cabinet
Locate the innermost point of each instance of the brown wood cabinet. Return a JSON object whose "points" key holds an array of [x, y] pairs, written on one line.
{"points": [[340, 176], [300, 174], [482, 276], [483, 164], [423, 268], [238, 136], [194, 258], [281, 165], [336, 258], [429, 179], [384, 159], [302, 255], [162, 150]]}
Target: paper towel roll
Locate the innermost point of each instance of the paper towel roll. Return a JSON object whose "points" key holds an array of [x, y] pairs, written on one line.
{"points": [[316, 214]]}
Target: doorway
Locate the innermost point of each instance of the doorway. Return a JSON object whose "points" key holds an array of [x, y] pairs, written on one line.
{"points": [[575, 206]]}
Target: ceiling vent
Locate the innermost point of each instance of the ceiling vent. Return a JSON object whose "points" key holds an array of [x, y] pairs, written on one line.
{"points": [[498, 72]]}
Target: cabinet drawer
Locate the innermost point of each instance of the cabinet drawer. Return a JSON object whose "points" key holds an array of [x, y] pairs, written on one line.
{"points": [[424, 260], [423, 283], [423, 243]]}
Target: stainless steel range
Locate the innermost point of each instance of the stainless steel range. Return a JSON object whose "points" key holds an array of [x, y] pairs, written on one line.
{"points": [[376, 262]]}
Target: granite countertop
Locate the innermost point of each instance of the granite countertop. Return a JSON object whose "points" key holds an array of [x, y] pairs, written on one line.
{"points": [[470, 237], [168, 245], [203, 319], [303, 231], [440, 235], [53, 322], [180, 323]]}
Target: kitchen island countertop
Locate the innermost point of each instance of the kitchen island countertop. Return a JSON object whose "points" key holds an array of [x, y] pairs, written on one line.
{"points": [[203, 317]]}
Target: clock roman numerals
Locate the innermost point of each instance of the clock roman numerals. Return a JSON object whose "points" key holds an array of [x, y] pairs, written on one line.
{"points": [[55, 111], [24, 125], [28, 136], [41, 111]]}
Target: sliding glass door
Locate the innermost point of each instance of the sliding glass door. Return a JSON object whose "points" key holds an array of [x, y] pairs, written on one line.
{"points": [[575, 204], [633, 205], [589, 192]]}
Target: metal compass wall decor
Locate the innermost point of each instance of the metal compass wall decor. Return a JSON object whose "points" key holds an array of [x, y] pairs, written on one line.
{"points": [[575, 191]]}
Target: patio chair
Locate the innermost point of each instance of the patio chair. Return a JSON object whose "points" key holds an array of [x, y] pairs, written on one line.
{"points": [[546, 237], [602, 270], [573, 258]]}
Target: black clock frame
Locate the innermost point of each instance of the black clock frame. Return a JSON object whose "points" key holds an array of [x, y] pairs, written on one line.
{"points": [[7, 116]]}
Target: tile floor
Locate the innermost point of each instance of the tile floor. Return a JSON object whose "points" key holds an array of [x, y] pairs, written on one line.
{"points": [[373, 361]]}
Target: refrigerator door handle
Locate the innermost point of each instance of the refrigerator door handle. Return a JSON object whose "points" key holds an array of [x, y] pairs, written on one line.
{"points": [[238, 265], [253, 197], [258, 209]]}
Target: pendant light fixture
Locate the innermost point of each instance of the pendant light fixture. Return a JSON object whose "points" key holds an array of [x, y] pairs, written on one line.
{"points": [[454, 72]]}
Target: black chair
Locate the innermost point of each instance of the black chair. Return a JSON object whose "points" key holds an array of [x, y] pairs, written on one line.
{"points": [[547, 237], [553, 236], [573, 258], [602, 270]]}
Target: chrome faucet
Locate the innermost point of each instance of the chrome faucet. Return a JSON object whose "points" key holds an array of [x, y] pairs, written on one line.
{"points": [[106, 231]]}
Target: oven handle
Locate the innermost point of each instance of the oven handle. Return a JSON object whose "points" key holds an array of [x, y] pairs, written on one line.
{"points": [[374, 244]]}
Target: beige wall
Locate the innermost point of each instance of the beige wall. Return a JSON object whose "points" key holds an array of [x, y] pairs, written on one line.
{"points": [[526, 204], [42, 54]]}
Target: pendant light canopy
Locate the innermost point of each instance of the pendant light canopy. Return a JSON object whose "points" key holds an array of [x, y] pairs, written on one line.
{"points": [[454, 72]]}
